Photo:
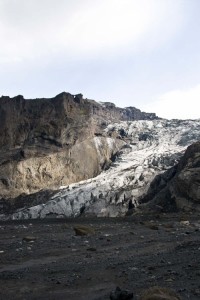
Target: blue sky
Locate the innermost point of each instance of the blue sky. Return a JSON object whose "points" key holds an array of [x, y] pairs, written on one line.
{"points": [[142, 53]]}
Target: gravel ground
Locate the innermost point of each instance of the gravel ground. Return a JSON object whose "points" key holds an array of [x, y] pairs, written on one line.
{"points": [[133, 253]]}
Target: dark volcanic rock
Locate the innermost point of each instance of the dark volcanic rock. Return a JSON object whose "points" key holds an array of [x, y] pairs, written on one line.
{"points": [[59, 266], [119, 294], [179, 187], [185, 187], [10, 205]]}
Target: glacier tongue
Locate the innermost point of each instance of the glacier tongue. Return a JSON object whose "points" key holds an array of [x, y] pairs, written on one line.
{"points": [[151, 147]]}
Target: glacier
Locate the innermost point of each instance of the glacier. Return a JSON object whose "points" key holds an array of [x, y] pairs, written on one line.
{"points": [[150, 147]]}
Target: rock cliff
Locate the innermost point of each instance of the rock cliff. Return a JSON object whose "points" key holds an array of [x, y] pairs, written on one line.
{"points": [[179, 187], [47, 143]]}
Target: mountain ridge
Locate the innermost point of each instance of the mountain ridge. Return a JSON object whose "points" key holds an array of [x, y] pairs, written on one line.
{"points": [[75, 156], [50, 142]]}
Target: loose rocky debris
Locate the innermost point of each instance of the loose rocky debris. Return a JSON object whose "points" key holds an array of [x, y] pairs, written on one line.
{"points": [[123, 252]]}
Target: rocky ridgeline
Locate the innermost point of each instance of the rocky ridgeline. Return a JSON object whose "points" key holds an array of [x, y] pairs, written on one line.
{"points": [[147, 149], [46, 143]]}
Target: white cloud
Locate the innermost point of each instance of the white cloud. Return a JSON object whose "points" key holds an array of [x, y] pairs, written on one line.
{"points": [[40, 28], [177, 104]]}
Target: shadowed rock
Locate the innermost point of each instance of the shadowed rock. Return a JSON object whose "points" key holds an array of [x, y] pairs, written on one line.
{"points": [[179, 187], [119, 294]]}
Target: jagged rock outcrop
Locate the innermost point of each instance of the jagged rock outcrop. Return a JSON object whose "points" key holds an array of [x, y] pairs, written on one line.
{"points": [[46, 143], [83, 160], [179, 187], [185, 187], [150, 148]]}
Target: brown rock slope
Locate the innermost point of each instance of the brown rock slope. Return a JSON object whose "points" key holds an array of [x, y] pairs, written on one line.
{"points": [[46, 143]]}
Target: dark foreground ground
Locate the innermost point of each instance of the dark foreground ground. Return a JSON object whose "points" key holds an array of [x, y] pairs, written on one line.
{"points": [[133, 253]]}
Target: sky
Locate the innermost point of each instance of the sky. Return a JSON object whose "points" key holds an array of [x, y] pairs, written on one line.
{"points": [[141, 53]]}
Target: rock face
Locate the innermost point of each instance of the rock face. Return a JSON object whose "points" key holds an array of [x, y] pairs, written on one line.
{"points": [[185, 187], [149, 149], [46, 143], [181, 187]]}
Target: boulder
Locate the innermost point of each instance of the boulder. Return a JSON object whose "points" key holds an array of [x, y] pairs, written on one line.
{"points": [[83, 230], [159, 293]]}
